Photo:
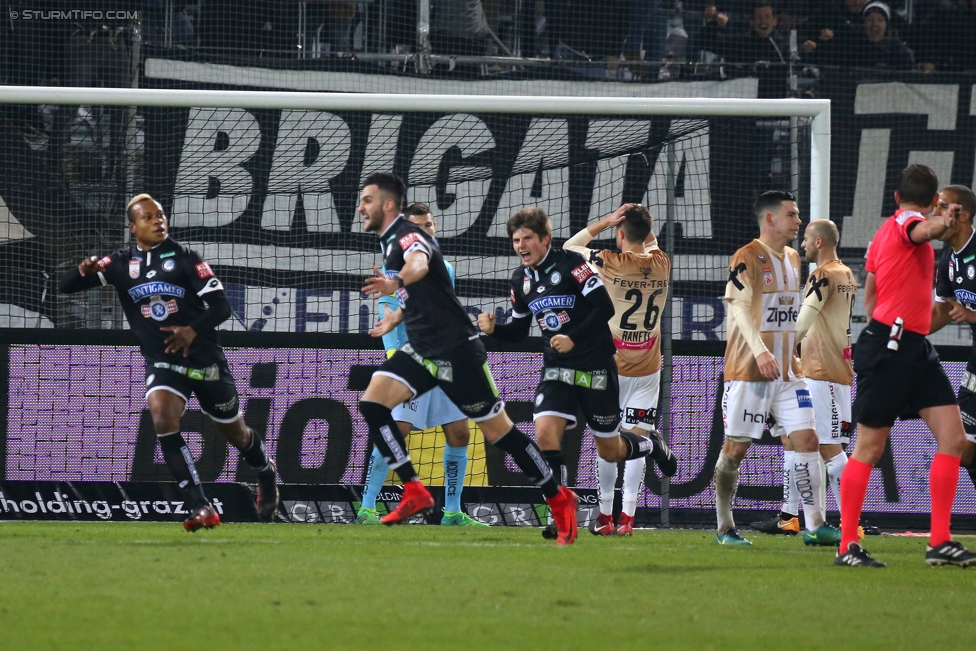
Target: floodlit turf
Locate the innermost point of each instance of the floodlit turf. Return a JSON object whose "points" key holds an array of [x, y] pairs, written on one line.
{"points": [[273, 587]]}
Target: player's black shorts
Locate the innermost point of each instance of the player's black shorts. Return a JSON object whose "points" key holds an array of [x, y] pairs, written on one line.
{"points": [[967, 402], [597, 391], [896, 384], [462, 373], [213, 386]]}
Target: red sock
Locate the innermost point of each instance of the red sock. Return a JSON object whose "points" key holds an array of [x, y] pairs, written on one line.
{"points": [[943, 477], [853, 488]]}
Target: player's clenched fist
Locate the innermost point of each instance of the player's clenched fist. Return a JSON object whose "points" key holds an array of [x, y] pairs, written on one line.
{"points": [[88, 266], [486, 322]]}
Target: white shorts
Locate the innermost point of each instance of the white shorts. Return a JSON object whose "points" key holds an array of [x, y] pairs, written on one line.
{"points": [[430, 410], [746, 406], [832, 408], [638, 401]]}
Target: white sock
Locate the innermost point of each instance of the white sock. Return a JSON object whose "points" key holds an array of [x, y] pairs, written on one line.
{"points": [[726, 481], [606, 473], [791, 499], [633, 476], [808, 476], [835, 468]]}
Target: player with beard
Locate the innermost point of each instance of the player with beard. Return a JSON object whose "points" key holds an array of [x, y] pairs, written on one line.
{"points": [[567, 298], [955, 300], [433, 409], [444, 350], [824, 328], [898, 370], [173, 303], [763, 382], [636, 278]]}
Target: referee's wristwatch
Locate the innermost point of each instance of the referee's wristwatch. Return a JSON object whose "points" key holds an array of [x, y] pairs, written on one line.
{"points": [[399, 280]]}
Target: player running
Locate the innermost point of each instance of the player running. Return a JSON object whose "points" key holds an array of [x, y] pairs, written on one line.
{"points": [[763, 383], [433, 409], [955, 300], [898, 370], [562, 293], [637, 280], [444, 350], [824, 330], [173, 303]]}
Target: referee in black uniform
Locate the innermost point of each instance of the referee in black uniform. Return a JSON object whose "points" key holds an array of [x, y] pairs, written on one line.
{"points": [[173, 302]]}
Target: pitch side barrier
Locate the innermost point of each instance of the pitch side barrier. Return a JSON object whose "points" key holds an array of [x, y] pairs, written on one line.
{"points": [[76, 440]]}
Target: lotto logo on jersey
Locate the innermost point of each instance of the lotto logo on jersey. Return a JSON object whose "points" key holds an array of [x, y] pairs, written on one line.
{"points": [[779, 312], [204, 270], [582, 272], [407, 240]]}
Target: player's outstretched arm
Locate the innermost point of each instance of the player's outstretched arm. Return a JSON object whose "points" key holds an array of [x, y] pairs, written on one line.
{"points": [[84, 276], [934, 227]]}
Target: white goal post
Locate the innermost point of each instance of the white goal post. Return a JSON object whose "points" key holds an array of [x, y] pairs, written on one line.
{"points": [[817, 109]]}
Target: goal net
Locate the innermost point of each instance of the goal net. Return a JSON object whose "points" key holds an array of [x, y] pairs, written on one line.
{"points": [[264, 186]]}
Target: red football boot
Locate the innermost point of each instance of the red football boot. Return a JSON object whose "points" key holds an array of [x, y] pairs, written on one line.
{"points": [[563, 507], [205, 517], [625, 527], [415, 500], [602, 526]]}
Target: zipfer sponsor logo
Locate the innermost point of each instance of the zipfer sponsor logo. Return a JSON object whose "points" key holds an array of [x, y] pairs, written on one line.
{"points": [[144, 290], [73, 509]]}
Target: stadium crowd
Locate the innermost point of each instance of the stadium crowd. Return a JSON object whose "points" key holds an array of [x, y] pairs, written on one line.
{"points": [[618, 39]]}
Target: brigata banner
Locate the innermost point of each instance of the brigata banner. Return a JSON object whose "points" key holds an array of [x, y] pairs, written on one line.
{"points": [[77, 414]]}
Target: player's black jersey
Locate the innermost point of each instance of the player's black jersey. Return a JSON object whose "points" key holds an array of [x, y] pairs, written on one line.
{"points": [[434, 318], [561, 294], [165, 286], [957, 280]]}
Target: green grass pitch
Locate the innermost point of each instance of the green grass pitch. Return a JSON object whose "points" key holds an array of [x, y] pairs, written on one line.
{"points": [[276, 587]]}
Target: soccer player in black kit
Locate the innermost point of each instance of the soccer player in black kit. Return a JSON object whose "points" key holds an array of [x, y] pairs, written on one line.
{"points": [[444, 350], [173, 302], [955, 300], [567, 299]]}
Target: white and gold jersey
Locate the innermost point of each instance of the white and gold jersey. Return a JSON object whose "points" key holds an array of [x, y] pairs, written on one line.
{"points": [[825, 352], [768, 283], [638, 285]]}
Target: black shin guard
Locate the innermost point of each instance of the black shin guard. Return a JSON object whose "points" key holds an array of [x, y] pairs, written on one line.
{"points": [[528, 457], [386, 436], [555, 460], [178, 459], [637, 446], [255, 455]]}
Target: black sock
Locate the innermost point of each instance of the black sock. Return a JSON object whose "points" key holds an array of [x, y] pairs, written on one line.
{"points": [[637, 446], [555, 460], [255, 455], [528, 457], [180, 463], [783, 515], [386, 436]]}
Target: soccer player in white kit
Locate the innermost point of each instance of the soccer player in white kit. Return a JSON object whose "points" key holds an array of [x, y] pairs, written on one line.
{"points": [[823, 334], [637, 281], [763, 382]]}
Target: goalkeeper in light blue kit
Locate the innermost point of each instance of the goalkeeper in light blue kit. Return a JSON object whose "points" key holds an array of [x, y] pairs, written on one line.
{"points": [[428, 411]]}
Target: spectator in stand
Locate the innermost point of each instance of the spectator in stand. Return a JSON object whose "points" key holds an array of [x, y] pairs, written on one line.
{"points": [[761, 43], [943, 40], [841, 23], [873, 48]]}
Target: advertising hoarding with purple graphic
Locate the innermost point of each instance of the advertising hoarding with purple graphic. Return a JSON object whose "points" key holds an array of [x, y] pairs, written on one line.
{"points": [[77, 413]]}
